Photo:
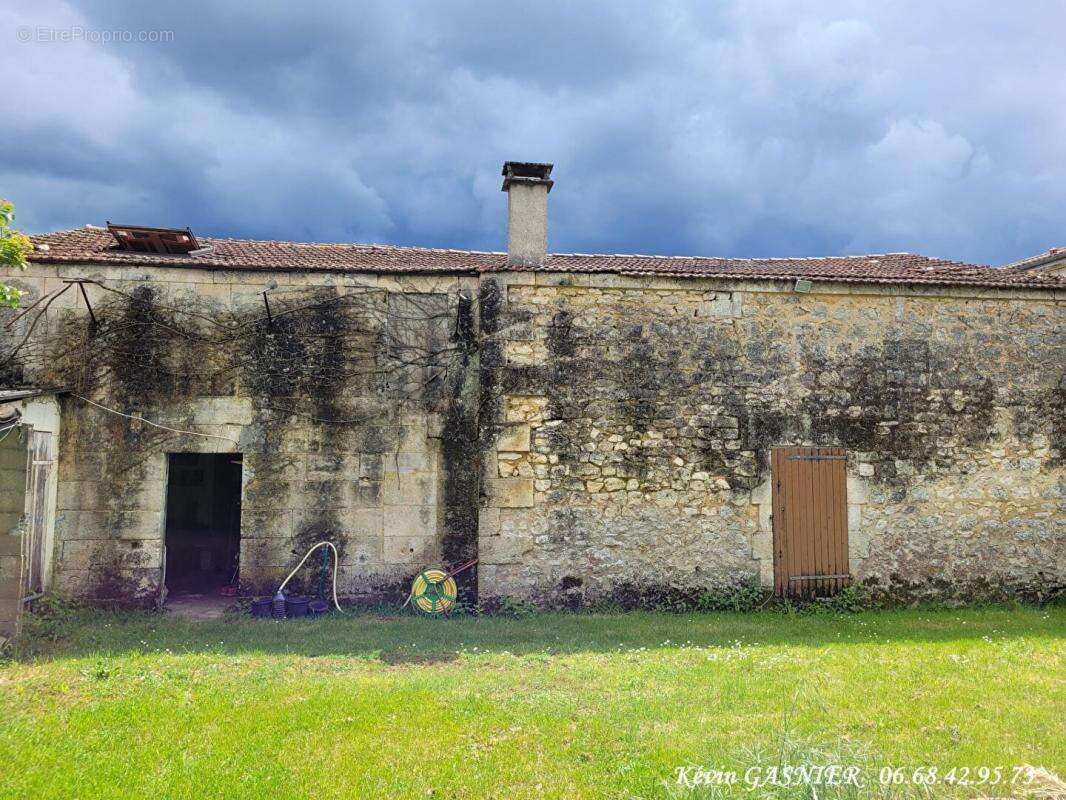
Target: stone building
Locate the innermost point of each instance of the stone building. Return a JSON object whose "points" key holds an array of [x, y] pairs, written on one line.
{"points": [[588, 426]]}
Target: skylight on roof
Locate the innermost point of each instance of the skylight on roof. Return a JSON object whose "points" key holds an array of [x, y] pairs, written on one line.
{"points": [[164, 241]]}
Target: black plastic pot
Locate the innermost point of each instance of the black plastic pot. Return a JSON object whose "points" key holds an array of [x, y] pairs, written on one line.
{"points": [[261, 607], [296, 607]]}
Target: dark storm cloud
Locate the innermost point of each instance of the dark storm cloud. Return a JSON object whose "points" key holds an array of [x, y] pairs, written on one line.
{"points": [[736, 128]]}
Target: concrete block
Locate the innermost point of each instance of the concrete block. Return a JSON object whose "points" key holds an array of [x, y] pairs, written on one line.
{"points": [[267, 494], [321, 494], [146, 525], [221, 411], [414, 550], [766, 573], [358, 523], [859, 543], [366, 494], [488, 521], [510, 492], [82, 553], [413, 434], [71, 582], [854, 516], [514, 439], [515, 522], [364, 550], [266, 523], [371, 466], [721, 304], [766, 518], [409, 489], [72, 525], [147, 495], [408, 521], [326, 466], [762, 546], [79, 496], [85, 465], [259, 553], [410, 462], [503, 549]]}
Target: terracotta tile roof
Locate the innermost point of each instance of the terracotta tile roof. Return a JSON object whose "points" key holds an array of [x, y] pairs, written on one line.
{"points": [[1039, 260], [92, 246]]}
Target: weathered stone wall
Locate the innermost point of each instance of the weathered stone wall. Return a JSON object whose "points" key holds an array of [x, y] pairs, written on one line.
{"points": [[13, 472], [615, 431], [341, 401], [627, 427]]}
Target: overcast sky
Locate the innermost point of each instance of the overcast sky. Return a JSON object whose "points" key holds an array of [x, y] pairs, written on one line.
{"points": [[746, 128]]}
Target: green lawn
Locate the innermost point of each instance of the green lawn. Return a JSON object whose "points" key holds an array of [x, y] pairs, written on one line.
{"points": [[367, 706]]}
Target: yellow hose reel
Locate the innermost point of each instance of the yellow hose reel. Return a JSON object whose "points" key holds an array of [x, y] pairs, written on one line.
{"points": [[433, 591]]}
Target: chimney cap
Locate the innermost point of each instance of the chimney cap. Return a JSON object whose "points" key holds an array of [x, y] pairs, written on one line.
{"points": [[526, 172]]}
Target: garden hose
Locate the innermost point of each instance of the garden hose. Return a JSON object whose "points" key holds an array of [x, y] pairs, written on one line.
{"points": [[434, 591], [336, 563]]}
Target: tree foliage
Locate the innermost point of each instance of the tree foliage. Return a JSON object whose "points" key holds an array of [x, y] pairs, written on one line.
{"points": [[13, 249]]}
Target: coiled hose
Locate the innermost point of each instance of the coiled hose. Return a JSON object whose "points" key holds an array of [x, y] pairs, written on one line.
{"points": [[336, 563]]}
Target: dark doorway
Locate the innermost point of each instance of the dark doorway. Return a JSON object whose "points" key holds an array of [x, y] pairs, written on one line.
{"points": [[203, 535]]}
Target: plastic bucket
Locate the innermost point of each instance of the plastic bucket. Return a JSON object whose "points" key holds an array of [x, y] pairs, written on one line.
{"points": [[317, 608], [261, 607], [296, 607]]}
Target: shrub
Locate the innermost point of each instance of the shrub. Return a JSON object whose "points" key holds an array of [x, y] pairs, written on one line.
{"points": [[743, 597], [516, 607]]}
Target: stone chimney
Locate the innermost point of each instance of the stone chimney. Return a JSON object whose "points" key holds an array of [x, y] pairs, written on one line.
{"points": [[527, 186]]}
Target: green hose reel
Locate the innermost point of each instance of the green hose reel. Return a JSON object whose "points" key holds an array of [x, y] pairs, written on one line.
{"points": [[433, 591]]}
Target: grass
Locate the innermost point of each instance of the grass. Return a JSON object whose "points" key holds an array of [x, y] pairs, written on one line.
{"points": [[555, 705]]}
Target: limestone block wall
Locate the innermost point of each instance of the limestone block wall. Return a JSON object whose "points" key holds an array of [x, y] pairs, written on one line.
{"points": [[13, 470], [628, 424], [337, 398]]}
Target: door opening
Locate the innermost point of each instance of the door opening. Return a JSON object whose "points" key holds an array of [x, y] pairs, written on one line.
{"points": [[203, 522]]}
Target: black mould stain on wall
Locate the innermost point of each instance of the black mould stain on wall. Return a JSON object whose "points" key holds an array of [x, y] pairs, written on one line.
{"points": [[721, 396], [331, 381], [460, 453]]}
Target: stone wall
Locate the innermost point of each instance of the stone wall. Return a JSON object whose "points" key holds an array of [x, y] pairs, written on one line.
{"points": [[628, 425], [586, 436], [13, 470], [341, 398]]}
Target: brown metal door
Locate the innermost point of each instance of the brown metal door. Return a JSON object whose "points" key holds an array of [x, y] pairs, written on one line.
{"points": [[810, 520]]}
